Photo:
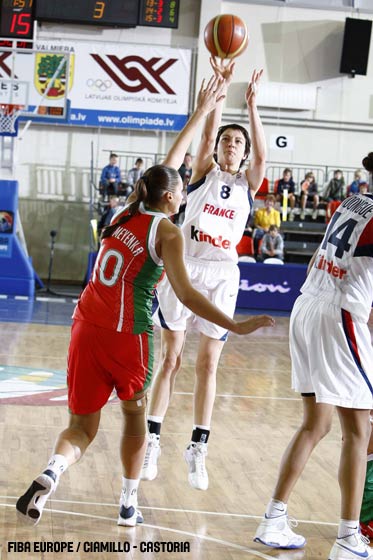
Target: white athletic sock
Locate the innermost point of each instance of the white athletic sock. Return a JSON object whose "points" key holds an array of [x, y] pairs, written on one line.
{"points": [[129, 491], [347, 527], [57, 464], [276, 508], [158, 419], [201, 427]]}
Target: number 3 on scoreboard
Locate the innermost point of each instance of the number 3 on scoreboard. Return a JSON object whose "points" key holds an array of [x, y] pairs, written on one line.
{"points": [[98, 10]]}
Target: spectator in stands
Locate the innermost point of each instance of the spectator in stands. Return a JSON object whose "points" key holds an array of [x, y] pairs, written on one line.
{"points": [[336, 189], [310, 193], [108, 213], [110, 177], [272, 245], [264, 218], [358, 179], [185, 172], [286, 183], [363, 188], [136, 172]]}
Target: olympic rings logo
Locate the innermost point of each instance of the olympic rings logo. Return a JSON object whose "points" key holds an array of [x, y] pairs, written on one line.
{"points": [[101, 85]]}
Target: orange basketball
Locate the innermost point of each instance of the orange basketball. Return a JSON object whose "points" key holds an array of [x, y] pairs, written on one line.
{"points": [[226, 36]]}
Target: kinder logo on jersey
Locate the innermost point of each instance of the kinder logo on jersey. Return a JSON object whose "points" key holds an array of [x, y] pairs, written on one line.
{"points": [[202, 237], [330, 268], [216, 211], [134, 79]]}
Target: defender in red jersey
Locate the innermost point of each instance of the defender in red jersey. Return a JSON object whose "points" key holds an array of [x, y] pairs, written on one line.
{"points": [[112, 335]]}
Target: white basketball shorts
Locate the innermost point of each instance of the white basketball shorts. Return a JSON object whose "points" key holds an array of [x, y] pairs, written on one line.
{"points": [[331, 353], [218, 281]]}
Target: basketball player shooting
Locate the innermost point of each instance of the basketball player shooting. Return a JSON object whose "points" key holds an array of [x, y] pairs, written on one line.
{"points": [[219, 200]]}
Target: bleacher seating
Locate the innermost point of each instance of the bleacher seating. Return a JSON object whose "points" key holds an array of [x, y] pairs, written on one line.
{"points": [[331, 208], [263, 189], [245, 246], [301, 239]]}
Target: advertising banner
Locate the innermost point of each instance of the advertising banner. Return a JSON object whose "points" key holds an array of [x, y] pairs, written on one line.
{"points": [[270, 286], [109, 85]]}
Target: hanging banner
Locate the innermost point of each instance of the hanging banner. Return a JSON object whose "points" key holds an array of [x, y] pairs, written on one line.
{"points": [[109, 85]]}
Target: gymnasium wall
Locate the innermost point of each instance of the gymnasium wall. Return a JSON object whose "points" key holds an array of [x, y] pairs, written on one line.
{"points": [[299, 50]]}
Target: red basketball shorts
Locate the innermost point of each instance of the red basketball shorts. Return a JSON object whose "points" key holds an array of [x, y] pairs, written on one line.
{"points": [[100, 360]]}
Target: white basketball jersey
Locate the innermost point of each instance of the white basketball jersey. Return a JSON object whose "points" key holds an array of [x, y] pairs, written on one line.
{"points": [[342, 273], [217, 210]]}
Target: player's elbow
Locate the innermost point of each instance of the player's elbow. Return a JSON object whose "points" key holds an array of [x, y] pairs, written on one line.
{"points": [[186, 297]]}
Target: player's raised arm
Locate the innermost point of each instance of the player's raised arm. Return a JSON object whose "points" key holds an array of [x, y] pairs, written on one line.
{"points": [[256, 171], [209, 95], [204, 157]]}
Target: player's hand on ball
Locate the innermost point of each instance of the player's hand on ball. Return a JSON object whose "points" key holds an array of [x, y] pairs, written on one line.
{"points": [[252, 88], [254, 323], [223, 67]]}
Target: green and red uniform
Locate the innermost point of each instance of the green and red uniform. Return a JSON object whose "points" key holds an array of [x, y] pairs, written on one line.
{"points": [[112, 334]]}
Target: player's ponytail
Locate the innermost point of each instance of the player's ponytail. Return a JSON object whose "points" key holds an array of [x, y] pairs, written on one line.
{"points": [[149, 190]]}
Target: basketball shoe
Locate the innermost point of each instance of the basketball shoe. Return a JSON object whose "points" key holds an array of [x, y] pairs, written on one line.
{"points": [[30, 505], [195, 455], [149, 469], [129, 516], [276, 532], [351, 548]]}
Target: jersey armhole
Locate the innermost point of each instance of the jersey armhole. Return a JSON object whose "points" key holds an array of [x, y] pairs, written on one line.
{"points": [[151, 239]]}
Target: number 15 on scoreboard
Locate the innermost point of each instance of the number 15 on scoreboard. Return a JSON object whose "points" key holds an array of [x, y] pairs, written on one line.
{"points": [[16, 19]]}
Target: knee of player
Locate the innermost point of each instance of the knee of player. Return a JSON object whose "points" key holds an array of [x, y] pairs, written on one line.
{"points": [[171, 363], [358, 432], [82, 428], [134, 414], [206, 368], [318, 430]]}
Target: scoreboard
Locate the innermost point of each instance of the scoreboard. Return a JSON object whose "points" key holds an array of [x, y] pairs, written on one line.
{"points": [[17, 19], [17, 16]]}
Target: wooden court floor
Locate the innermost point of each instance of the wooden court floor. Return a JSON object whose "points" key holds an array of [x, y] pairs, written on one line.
{"points": [[255, 415]]}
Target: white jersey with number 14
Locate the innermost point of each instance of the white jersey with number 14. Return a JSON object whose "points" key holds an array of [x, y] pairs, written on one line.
{"points": [[342, 273]]}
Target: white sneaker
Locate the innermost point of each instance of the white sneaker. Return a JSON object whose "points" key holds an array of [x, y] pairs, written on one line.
{"points": [[149, 469], [195, 455], [129, 516], [302, 215], [291, 216], [30, 505], [315, 213], [350, 548], [276, 532]]}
